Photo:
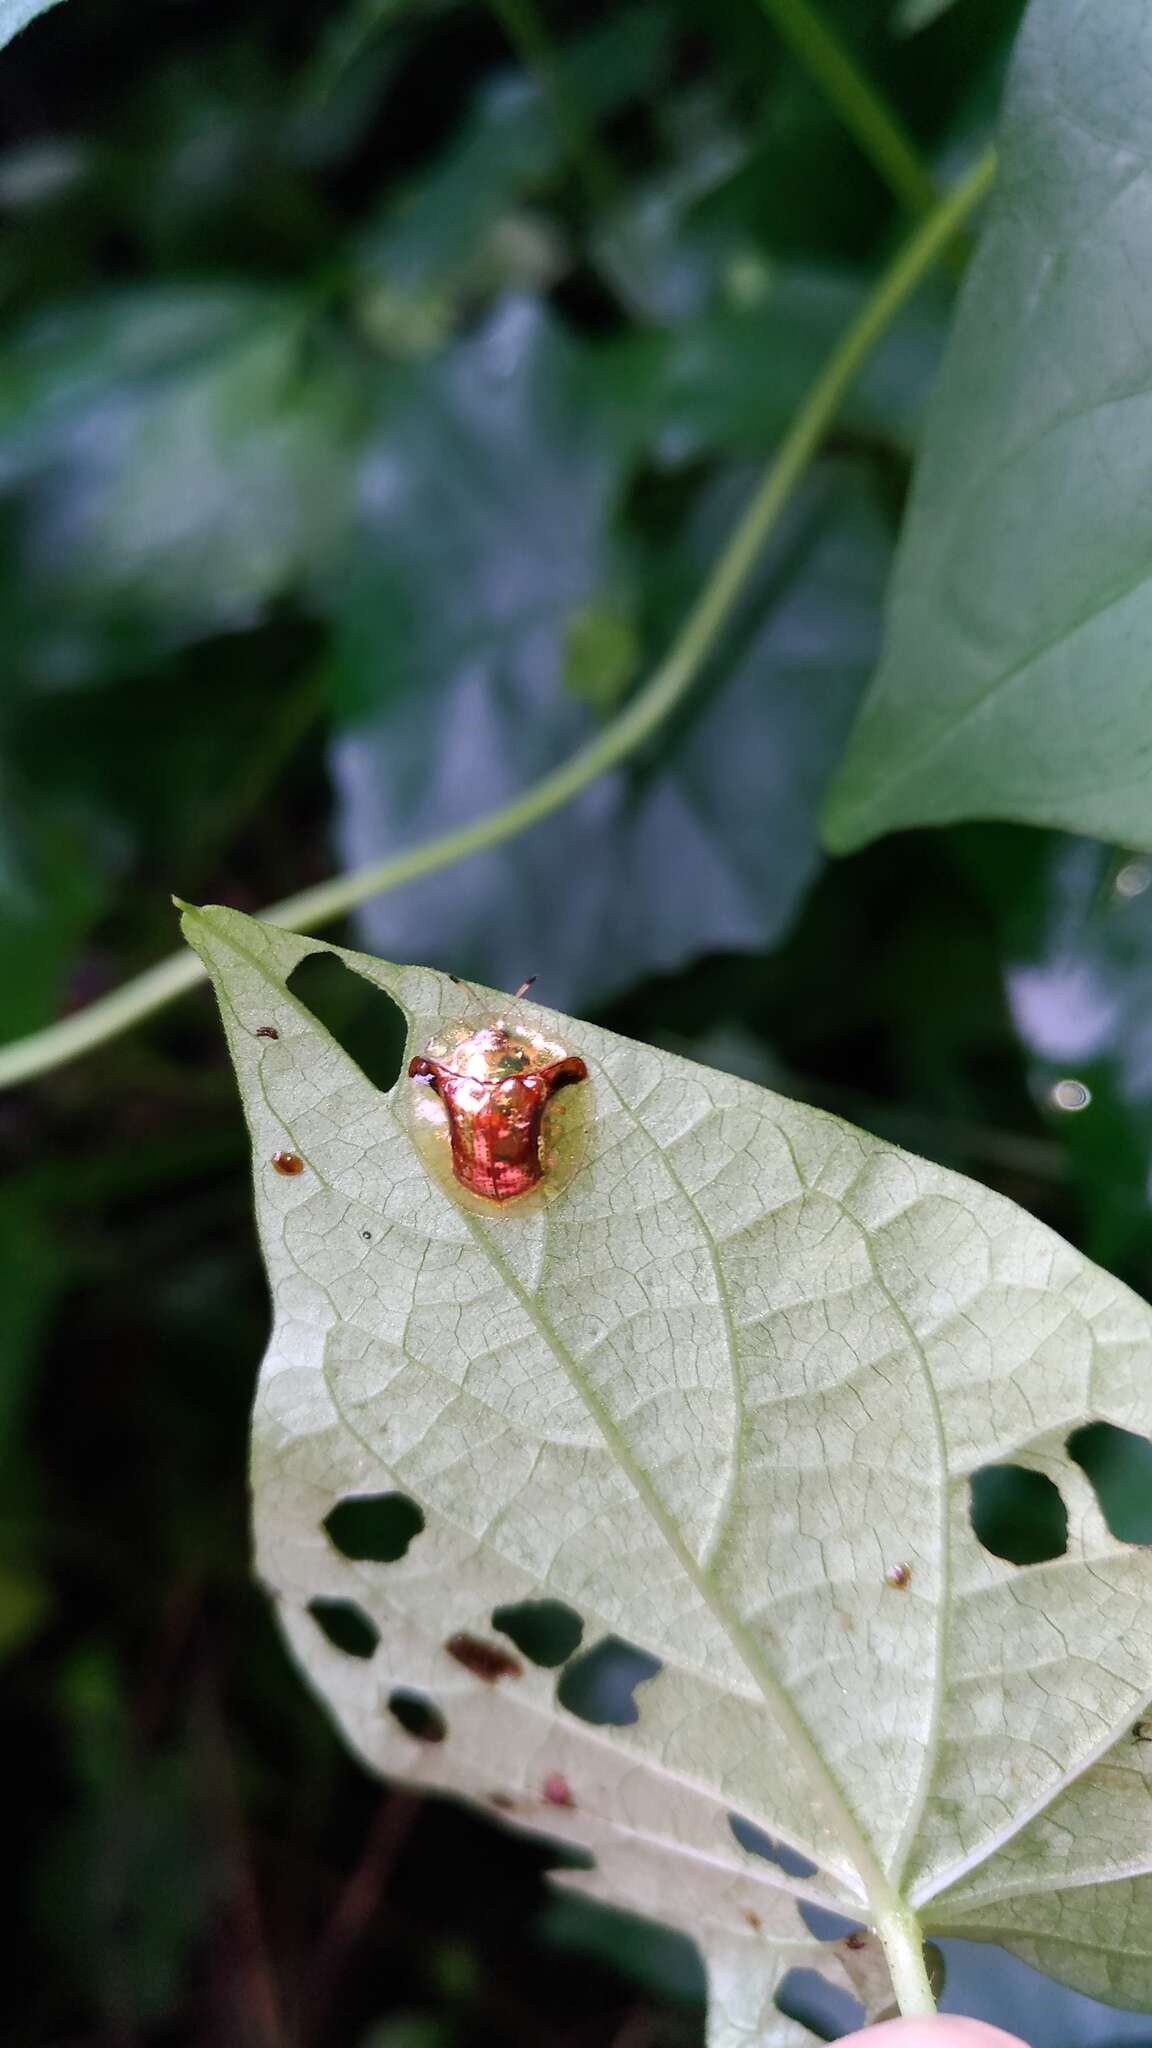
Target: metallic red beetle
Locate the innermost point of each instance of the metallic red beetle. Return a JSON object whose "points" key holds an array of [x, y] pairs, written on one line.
{"points": [[495, 1085]]}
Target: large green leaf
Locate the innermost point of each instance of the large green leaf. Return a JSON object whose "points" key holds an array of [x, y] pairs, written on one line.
{"points": [[722, 1396], [178, 459], [1015, 681], [487, 561]]}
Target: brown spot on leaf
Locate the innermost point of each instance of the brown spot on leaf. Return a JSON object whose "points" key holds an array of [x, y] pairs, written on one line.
{"points": [[288, 1162], [899, 1577], [556, 1790], [267, 1031], [485, 1660]]}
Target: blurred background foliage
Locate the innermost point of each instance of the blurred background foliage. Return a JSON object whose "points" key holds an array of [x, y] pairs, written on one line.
{"points": [[378, 380]]}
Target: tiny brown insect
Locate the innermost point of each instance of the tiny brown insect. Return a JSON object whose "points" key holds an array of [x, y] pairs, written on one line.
{"points": [[484, 1660], [1142, 1732], [287, 1162], [502, 1801], [857, 1939], [267, 1031], [899, 1576], [495, 1085], [556, 1790], [753, 1919]]}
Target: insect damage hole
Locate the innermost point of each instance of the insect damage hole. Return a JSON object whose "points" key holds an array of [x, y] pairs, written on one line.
{"points": [[364, 1021], [1118, 1465], [598, 1685], [374, 1528], [417, 1715], [825, 2009], [546, 1631], [1018, 1515], [757, 1843], [346, 1626], [825, 1925]]}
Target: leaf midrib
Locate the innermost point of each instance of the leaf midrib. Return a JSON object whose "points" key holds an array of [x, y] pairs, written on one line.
{"points": [[831, 1798]]}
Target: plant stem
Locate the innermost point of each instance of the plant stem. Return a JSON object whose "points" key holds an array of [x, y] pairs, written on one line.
{"points": [[903, 1944], [865, 113], [636, 723]]}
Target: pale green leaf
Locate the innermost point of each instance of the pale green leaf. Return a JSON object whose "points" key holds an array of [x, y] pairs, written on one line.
{"points": [[16, 14], [1072, 1893], [1015, 679], [721, 1395]]}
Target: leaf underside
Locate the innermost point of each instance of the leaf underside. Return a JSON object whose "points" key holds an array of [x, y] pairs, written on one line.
{"points": [[1015, 680], [722, 1396]]}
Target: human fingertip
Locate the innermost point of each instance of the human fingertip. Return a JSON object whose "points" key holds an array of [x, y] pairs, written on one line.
{"points": [[939, 2031]]}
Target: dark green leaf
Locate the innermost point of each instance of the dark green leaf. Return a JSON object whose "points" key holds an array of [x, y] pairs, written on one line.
{"points": [[733, 379], [181, 459], [441, 242], [489, 530], [1015, 677]]}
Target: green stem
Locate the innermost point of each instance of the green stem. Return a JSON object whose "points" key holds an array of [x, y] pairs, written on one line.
{"points": [[647, 711], [903, 1944], [867, 116]]}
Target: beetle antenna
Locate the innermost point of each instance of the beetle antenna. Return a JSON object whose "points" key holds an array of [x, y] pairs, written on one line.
{"points": [[469, 990]]}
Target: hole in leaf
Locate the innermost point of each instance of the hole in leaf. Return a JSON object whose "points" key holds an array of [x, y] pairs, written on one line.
{"points": [[377, 1527], [359, 1016], [418, 1715], [599, 1684], [824, 1925], [485, 1660], [757, 1843], [346, 1626], [1118, 1464], [545, 1630], [827, 2010], [1018, 1515]]}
